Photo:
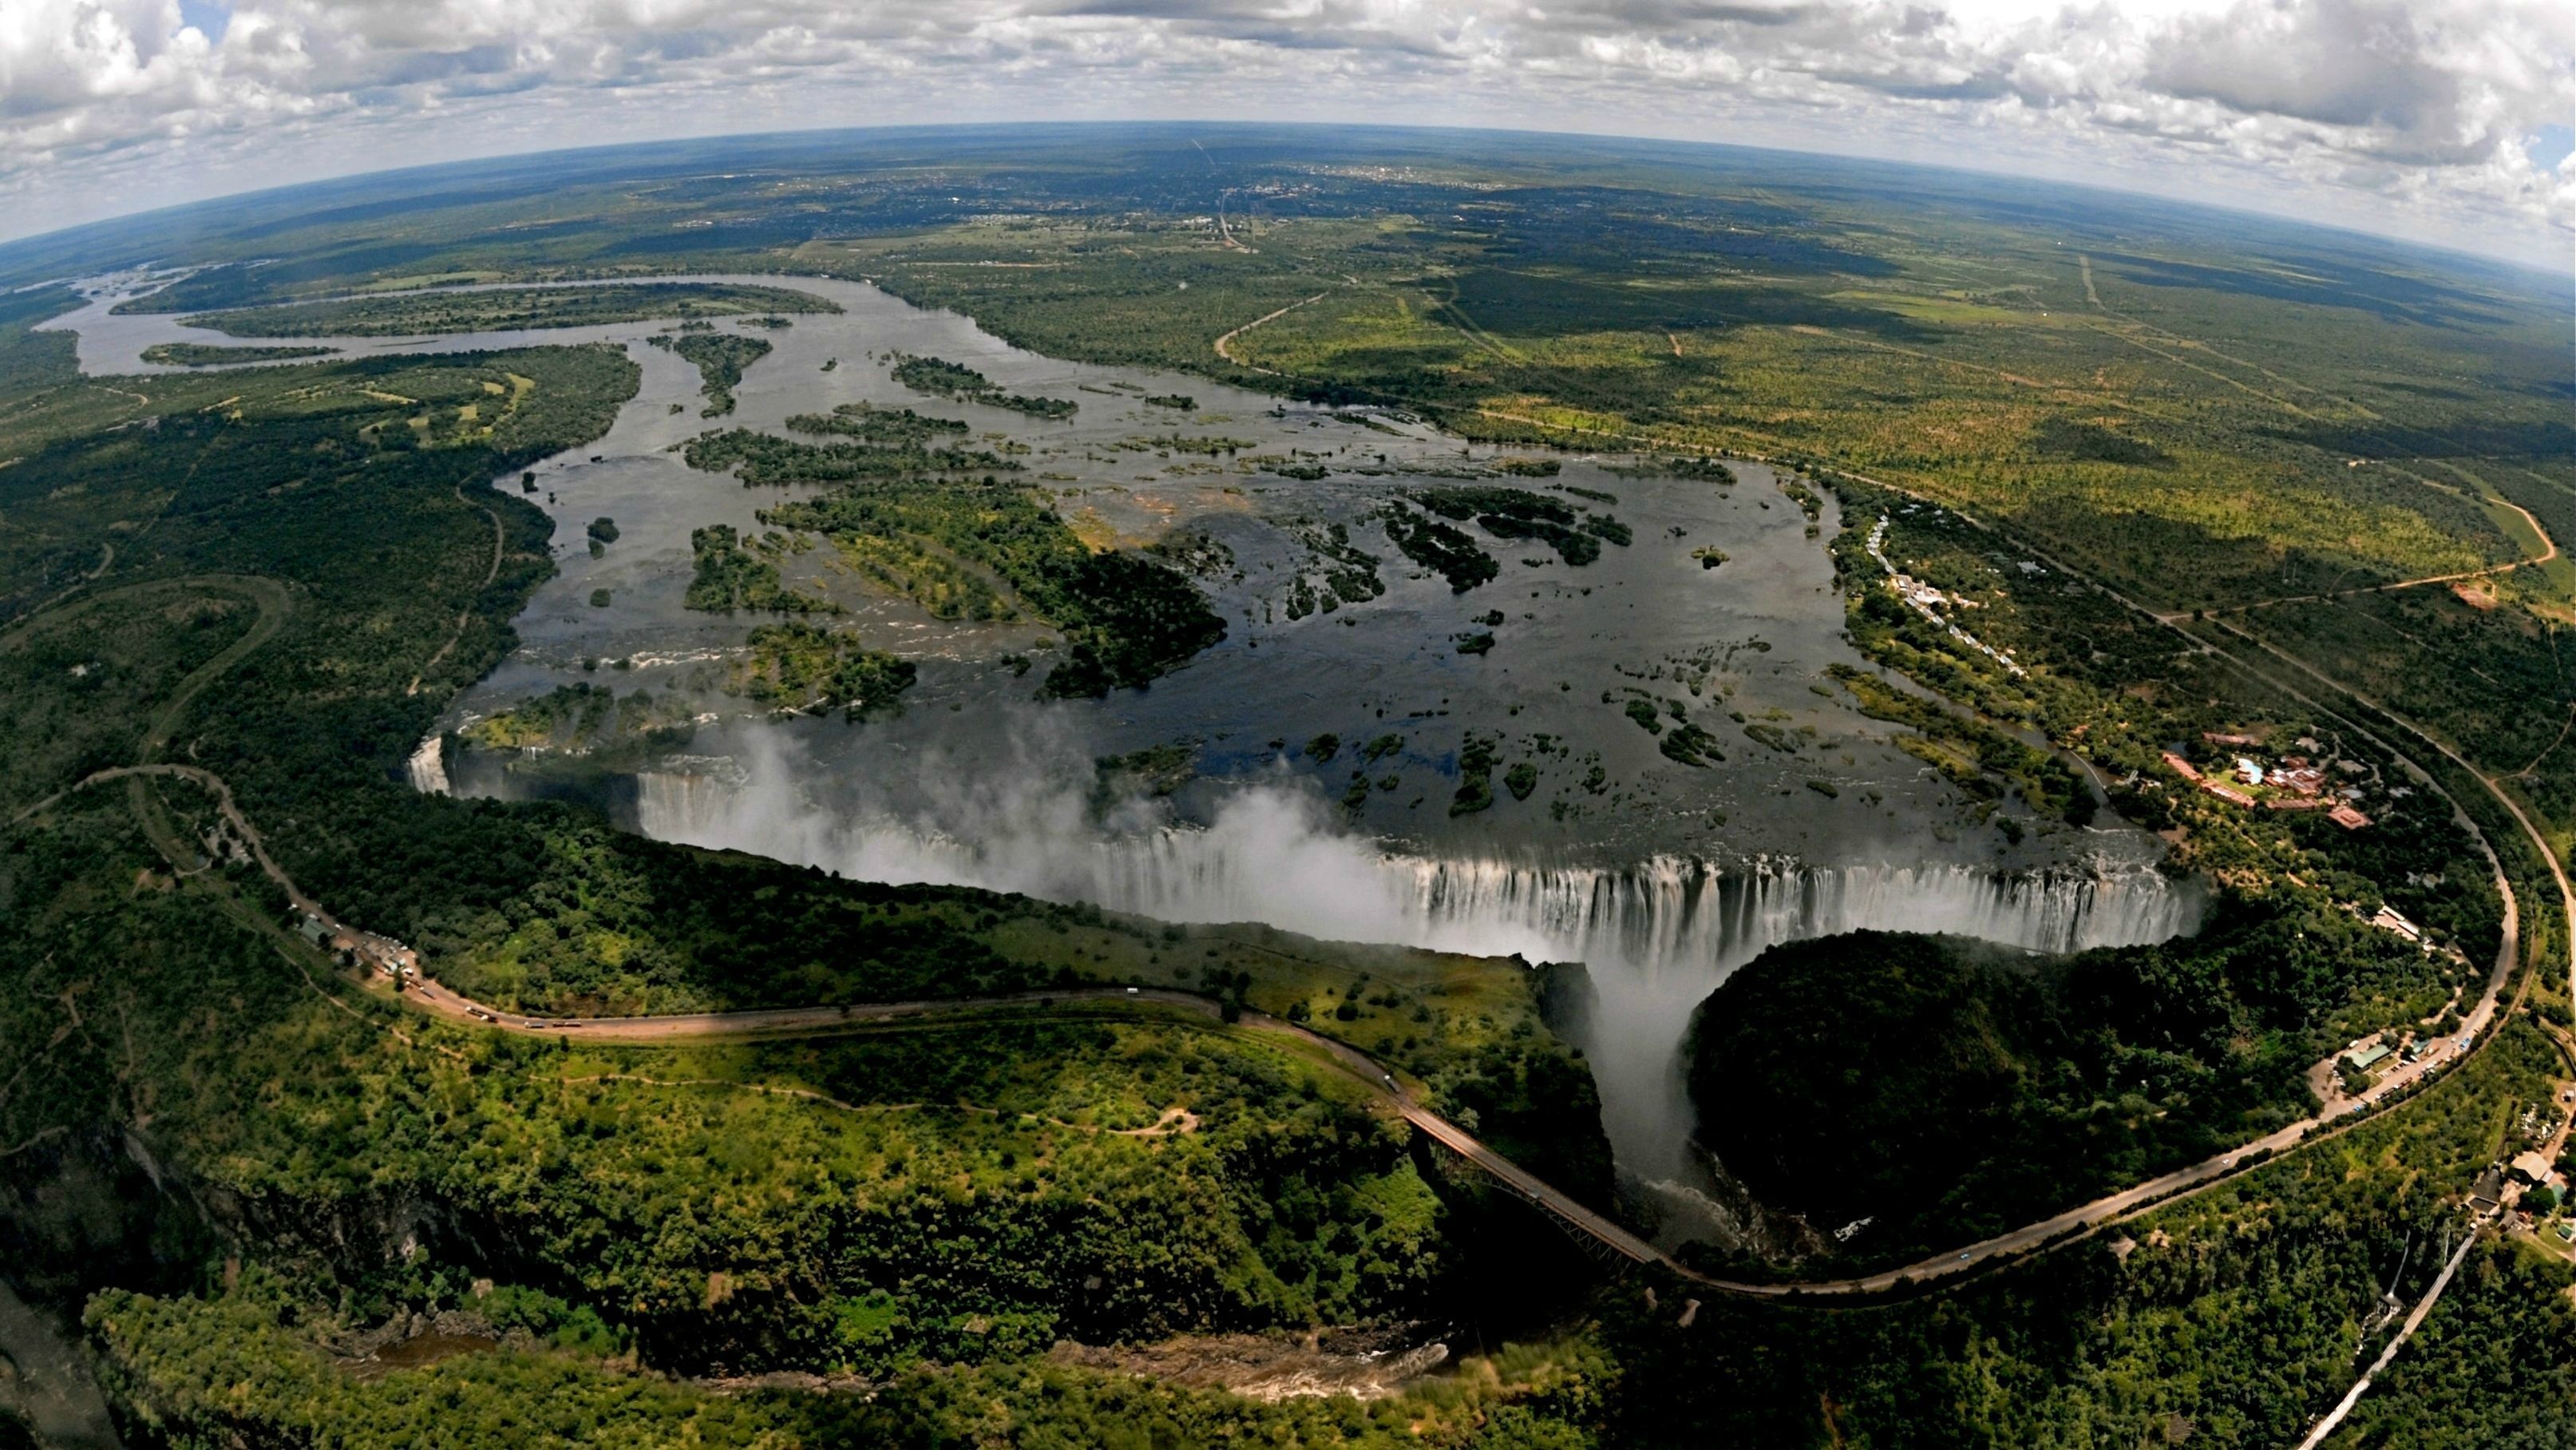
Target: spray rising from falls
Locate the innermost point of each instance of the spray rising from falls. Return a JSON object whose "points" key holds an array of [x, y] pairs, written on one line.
{"points": [[428, 766], [1658, 937]]}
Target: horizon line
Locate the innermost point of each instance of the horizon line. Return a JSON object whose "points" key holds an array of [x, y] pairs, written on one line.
{"points": [[2552, 272]]}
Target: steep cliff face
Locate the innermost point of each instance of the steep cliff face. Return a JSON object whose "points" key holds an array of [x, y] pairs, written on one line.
{"points": [[112, 1207], [48, 1396], [1567, 999], [1655, 935], [80, 1212], [1874, 1075], [85, 1209], [1947, 1089], [353, 1235]]}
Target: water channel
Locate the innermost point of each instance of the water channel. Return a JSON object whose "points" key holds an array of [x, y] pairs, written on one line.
{"points": [[1662, 877]]}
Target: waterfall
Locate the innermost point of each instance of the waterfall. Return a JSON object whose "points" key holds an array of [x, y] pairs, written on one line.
{"points": [[1269, 857], [1675, 911], [1661, 936], [428, 766], [1657, 936]]}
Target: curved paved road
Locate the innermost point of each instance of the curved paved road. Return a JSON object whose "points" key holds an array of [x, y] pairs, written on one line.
{"points": [[2531, 831], [427, 994], [446, 1002], [393, 959]]}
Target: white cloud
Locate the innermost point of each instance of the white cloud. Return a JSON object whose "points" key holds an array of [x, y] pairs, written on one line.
{"points": [[2408, 116]]}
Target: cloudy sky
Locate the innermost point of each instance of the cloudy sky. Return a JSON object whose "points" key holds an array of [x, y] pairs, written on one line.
{"points": [[2442, 120]]}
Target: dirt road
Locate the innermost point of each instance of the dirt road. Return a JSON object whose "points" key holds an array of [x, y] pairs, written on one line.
{"points": [[1224, 345], [425, 993], [445, 1002]]}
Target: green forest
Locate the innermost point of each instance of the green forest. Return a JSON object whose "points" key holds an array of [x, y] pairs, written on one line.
{"points": [[719, 358], [202, 355], [942, 378], [1999, 1089], [1255, 1187], [799, 667], [880, 446], [733, 571], [990, 550], [405, 313], [235, 1167]]}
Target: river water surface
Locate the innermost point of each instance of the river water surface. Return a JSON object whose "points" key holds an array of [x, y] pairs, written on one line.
{"points": [[1662, 877]]}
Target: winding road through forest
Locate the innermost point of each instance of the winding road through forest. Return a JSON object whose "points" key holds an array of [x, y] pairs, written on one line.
{"points": [[397, 964], [424, 994], [394, 963]]}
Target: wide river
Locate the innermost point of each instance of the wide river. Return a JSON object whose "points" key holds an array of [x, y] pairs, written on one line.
{"points": [[1663, 877]]}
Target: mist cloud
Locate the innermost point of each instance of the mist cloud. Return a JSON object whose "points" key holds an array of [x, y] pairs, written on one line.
{"points": [[1657, 935], [2414, 117]]}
